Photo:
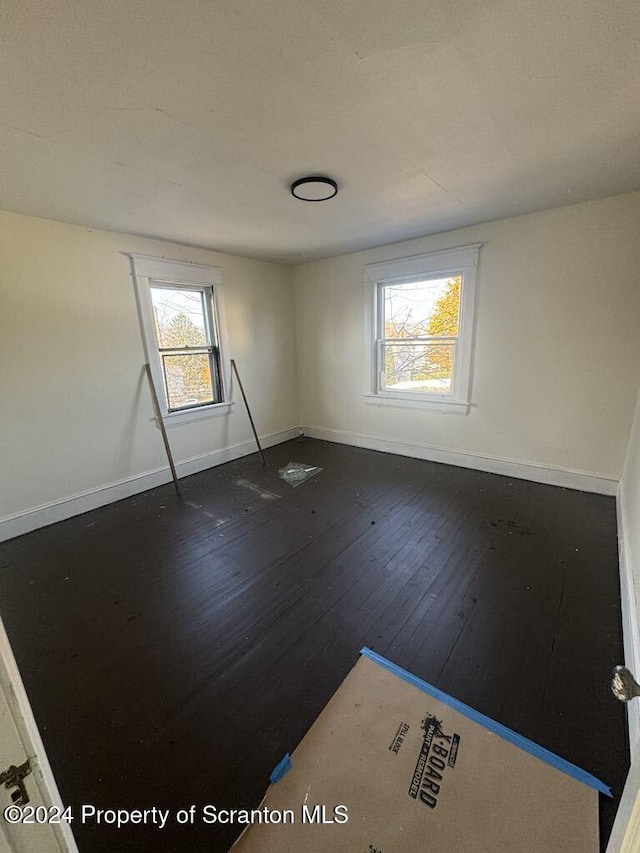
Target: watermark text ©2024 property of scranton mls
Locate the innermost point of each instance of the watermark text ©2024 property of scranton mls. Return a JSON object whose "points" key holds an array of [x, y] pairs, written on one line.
{"points": [[189, 816]]}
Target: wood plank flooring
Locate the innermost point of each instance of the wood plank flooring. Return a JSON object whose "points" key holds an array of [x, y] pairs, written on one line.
{"points": [[175, 648]]}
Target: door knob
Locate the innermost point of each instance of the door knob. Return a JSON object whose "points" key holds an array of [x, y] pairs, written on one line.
{"points": [[623, 684]]}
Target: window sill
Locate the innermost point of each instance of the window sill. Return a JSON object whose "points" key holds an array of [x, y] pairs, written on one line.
{"points": [[447, 407], [172, 419]]}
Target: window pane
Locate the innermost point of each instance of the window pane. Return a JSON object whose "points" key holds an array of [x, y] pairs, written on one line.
{"points": [[180, 318], [422, 308], [188, 379], [418, 368]]}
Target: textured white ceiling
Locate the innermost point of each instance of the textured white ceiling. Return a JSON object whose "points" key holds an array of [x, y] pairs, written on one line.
{"points": [[187, 120]]}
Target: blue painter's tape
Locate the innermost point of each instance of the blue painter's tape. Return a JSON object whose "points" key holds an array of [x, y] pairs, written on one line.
{"points": [[492, 726], [280, 769]]}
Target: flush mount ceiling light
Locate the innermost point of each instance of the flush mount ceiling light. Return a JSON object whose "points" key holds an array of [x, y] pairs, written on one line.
{"points": [[314, 188]]}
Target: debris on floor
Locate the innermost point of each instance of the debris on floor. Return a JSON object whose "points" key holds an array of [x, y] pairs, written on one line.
{"points": [[295, 473]]}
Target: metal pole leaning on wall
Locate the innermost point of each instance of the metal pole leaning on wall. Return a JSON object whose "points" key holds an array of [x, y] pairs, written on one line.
{"points": [[165, 437], [244, 397]]}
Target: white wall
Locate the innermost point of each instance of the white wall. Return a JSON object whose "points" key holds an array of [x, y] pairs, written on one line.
{"points": [[557, 348], [557, 354], [76, 415]]}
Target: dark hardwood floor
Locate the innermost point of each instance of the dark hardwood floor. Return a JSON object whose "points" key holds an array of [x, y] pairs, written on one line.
{"points": [[175, 648]]}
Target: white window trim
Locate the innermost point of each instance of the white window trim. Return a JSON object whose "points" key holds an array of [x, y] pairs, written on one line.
{"points": [[462, 260], [146, 269]]}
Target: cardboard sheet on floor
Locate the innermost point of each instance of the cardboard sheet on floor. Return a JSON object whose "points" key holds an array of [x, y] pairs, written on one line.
{"points": [[418, 770]]}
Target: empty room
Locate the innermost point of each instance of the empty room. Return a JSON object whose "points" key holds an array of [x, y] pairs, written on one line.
{"points": [[320, 426]]}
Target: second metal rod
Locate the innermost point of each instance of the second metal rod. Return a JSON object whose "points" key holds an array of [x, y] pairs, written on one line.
{"points": [[244, 397], [161, 427]]}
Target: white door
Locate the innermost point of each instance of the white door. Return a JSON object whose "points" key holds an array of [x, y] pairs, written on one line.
{"points": [[20, 742], [625, 837]]}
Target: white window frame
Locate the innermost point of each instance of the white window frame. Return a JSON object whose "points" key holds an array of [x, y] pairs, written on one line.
{"points": [[147, 271], [462, 261]]}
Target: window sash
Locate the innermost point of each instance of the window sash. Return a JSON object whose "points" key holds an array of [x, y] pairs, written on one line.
{"points": [[214, 371], [208, 307], [421, 339], [382, 348], [211, 348], [381, 341]]}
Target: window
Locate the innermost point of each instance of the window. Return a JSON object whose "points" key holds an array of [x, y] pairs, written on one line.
{"points": [[421, 329], [181, 316], [187, 344]]}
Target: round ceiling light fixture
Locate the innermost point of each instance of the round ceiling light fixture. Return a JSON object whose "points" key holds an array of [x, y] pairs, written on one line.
{"points": [[314, 188]]}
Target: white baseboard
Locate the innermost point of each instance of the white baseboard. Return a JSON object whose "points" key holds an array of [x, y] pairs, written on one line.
{"points": [[630, 624], [41, 516], [553, 476]]}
